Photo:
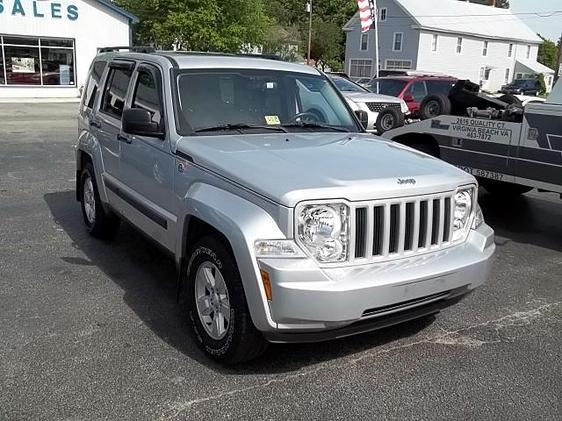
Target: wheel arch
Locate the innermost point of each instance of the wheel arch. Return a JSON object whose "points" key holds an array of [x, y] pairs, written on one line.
{"points": [[239, 223]]}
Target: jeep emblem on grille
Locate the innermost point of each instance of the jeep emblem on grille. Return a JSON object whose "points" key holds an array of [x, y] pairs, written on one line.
{"points": [[406, 181]]}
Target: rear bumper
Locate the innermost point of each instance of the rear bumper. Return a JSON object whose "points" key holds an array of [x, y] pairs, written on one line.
{"points": [[336, 302]]}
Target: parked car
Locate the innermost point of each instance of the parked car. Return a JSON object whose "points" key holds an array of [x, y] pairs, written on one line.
{"points": [[522, 87], [412, 89], [286, 220], [384, 112], [363, 81]]}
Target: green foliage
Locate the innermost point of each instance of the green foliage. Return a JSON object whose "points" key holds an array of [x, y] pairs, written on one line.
{"points": [[217, 25], [548, 53]]}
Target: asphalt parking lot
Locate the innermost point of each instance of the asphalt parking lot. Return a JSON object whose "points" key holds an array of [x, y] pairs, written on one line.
{"points": [[91, 330]]}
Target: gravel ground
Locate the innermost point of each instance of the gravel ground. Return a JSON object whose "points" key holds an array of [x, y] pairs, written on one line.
{"points": [[91, 331]]}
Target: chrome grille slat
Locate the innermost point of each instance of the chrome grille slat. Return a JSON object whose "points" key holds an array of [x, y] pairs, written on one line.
{"points": [[392, 228]]}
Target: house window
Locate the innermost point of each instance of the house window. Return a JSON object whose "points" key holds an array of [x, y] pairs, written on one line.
{"points": [[398, 64], [528, 52], [382, 14], [485, 73], [459, 45], [37, 61], [510, 50], [434, 42], [485, 48], [364, 42], [506, 79], [397, 44], [360, 68]]}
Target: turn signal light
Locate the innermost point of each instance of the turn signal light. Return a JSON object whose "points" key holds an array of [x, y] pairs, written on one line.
{"points": [[266, 284]]}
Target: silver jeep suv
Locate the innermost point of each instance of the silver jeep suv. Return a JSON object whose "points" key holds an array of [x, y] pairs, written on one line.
{"points": [[288, 222]]}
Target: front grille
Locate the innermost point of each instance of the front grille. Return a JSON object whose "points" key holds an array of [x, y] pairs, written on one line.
{"points": [[377, 107], [405, 226]]}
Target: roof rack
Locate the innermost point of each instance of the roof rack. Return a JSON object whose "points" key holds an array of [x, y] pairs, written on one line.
{"points": [[134, 49], [216, 53]]}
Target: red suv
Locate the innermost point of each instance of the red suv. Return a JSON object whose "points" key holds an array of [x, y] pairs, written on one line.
{"points": [[412, 89]]}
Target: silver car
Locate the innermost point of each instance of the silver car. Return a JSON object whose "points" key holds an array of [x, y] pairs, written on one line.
{"points": [[287, 221]]}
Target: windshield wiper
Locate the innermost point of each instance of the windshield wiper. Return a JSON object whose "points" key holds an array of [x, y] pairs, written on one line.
{"points": [[239, 126], [313, 125]]}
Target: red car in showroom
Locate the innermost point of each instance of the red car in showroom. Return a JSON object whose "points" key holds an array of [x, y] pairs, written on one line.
{"points": [[412, 89]]}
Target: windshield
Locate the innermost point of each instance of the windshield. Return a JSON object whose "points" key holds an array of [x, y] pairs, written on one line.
{"points": [[345, 85], [256, 101], [391, 87]]}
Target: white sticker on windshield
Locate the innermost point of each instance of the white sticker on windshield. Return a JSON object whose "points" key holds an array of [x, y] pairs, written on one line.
{"points": [[272, 119]]}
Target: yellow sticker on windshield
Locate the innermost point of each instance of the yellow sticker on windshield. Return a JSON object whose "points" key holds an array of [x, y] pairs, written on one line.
{"points": [[272, 119]]}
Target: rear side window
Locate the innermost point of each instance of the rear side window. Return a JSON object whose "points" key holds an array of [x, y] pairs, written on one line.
{"points": [[418, 91], [115, 92], [435, 87], [147, 92], [93, 85]]}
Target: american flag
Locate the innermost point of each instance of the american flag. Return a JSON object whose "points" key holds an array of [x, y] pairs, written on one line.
{"points": [[367, 13]]}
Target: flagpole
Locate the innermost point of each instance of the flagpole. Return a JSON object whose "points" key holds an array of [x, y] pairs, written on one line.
{"points": [[309, 30], [376, 24]]}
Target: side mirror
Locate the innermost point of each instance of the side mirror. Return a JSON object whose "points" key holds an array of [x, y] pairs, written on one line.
{"points": [[363, 118], [408, 98], [139, 122]]}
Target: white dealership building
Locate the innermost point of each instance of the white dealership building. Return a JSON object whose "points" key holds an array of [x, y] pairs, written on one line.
{"points": [[46, 46]]}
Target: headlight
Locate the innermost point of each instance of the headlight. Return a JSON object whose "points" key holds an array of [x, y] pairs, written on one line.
{"points": [[277, 248], [323, 230], [478, 217], [463, 209]]}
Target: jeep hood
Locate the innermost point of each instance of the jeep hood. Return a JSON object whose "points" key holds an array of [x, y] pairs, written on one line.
{"points": [[370, 97], [289, 168]]}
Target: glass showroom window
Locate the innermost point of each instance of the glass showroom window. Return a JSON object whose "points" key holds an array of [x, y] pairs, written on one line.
{"points": [[37, 61]]}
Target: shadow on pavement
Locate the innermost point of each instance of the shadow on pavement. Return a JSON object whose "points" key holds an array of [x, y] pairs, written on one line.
{"points": [[528, 219], [147, 277]]}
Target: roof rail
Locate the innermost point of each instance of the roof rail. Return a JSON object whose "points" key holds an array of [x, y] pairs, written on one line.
{"points": [[134, 49], [216, 53]]}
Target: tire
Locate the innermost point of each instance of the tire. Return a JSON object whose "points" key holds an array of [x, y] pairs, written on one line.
{"points": [[99, 223], [435, 105], [234, 338], [510, 99], [389, 119], [503, 189]]}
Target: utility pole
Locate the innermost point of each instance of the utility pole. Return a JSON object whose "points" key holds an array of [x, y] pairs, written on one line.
{"points": [[309, 7]]}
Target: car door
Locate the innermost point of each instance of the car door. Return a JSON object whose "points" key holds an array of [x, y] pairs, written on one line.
{"points": [[539, 156], [147, 164], [108, 119]]}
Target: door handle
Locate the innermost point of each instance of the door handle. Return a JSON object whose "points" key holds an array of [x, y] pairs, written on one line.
{"points": [[123, 138], [95, 124]]}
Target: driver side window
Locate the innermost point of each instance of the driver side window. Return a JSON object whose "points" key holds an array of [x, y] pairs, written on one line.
{"points": [[147, 95]]}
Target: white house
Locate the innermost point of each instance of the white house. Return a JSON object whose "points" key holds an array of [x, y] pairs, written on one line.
{"points": [[487, 45], [46, 46]]}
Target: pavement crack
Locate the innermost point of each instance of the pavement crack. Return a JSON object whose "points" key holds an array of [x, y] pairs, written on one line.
{"points": [[458, 337]]}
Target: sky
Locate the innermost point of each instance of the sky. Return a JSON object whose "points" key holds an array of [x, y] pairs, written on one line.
{"points": [[548, 27]]}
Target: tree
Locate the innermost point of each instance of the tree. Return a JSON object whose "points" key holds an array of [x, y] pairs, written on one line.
{"points": [[218, 25], [548, 53]]}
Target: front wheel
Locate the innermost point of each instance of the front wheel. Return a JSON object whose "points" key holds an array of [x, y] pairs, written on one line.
{"points": [[216, 305], [389, 119]]}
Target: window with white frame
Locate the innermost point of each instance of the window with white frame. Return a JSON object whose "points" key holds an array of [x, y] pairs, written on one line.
{"points": [[485, 73], [382, 14], [459, 45], [506, 78], [360, 68], [510, 50], [37, 61], [485, 48], [398, 64], [434, 42], [528, 52], [364, 42], [397, 42]]}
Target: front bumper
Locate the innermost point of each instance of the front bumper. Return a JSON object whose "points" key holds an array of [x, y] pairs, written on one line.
{"points": [[311, 303]]}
